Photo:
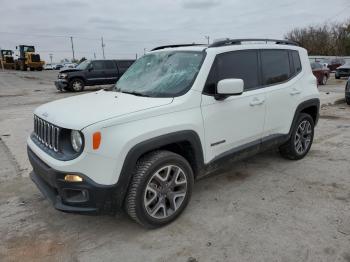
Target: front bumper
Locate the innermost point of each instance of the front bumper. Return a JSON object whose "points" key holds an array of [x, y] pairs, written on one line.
{"points": [[78, 197], [61, 84]]}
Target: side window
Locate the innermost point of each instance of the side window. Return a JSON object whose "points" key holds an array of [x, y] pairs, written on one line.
{"points": [[236, 64], [275, 66], [296, 61], [123, 64], [98, 65], [109, 65]]}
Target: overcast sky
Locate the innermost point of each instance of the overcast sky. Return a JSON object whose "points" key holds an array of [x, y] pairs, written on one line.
{"points": [[130, 26]]}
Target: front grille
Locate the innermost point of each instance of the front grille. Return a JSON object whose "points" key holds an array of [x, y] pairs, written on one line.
{"points": [[46, 133], [35, 58], [9, 60]]}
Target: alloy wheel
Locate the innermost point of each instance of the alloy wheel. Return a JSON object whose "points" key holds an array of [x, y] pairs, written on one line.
{"points": [[165, 192], [324, 80], [77, 85], [303, 137]]}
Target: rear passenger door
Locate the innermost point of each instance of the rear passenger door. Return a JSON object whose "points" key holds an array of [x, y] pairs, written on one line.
{"points": [[111, 72], [238, 121], [123, 66], [281, 70]]}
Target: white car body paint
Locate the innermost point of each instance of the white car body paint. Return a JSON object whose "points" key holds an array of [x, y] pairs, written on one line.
{"points": [[126, 120]]}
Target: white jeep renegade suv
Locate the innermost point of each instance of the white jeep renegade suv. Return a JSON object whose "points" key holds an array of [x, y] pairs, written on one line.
{"points": [[178, 113]]}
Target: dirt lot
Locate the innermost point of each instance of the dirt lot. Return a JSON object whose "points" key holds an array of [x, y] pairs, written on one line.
{"points": [[265, 209]]}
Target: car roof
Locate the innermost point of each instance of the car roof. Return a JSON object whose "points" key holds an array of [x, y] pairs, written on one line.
{"points": [[228, 48]]}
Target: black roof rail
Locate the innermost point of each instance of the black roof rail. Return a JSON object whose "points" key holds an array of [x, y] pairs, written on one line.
{"points": [[173, 46], [239, 41]]}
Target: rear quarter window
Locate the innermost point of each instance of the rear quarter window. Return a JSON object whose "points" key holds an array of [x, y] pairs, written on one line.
{"points": [[296, 61]]}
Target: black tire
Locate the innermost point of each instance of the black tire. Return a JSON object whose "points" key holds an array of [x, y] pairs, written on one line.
{"points": [[337, 77], [23, 67], [347, 99], [146, 168], [289, 150], [76, 85], [31, 68], [39, 69], [324, 80]]}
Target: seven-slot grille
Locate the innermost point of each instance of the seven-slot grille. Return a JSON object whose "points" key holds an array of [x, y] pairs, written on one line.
{"points": [[46, 133]]}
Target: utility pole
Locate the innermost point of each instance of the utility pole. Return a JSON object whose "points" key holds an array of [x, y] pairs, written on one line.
{"points": [[103, 48], [136, 56], [71, 40], [144, 51], [2, 64], [208, 38], [94, 55], [51, 57]]}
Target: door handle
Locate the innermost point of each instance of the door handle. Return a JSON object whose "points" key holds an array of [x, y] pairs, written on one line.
{"points": [[256, 101], [295, 91]]}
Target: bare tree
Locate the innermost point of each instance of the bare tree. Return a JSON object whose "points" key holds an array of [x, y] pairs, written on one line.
{"points": [[325, 39]]}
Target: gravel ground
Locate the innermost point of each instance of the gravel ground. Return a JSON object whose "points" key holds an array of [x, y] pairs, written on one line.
{"points": [[264, 209]]}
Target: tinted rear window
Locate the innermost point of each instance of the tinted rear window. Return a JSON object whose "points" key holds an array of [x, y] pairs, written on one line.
{"points": [[275, 66], [124, 64], [110, 64]]}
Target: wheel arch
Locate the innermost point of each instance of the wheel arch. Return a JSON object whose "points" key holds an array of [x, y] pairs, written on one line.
{"points": [[186, 143], [77, 77], [311, 107]]}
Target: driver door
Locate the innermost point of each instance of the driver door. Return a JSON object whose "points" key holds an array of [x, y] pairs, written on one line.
{"points": [[237, 121]]}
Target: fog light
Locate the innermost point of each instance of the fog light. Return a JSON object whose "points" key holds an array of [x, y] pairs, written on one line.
{"points": [[73, 178]]}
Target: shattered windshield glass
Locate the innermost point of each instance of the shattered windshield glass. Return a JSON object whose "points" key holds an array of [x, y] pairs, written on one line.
{"points": [[161, 74]]}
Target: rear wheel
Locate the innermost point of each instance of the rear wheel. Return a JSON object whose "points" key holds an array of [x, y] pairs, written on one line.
{"points": [[76, 85], [160, 189], [337, 77], [347, 99], [23, 67], [31, 68], [300, 140]]}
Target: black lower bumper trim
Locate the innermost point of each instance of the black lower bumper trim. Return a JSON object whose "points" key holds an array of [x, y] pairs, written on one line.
{"points": [[78, 197], [61, 84], [56, 199]]}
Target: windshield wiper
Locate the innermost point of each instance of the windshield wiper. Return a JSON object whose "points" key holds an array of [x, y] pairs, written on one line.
{"points": [[134, 93]]}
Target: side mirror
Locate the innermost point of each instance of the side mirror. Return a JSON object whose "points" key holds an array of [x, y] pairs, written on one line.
{"points": [[229, 87]]}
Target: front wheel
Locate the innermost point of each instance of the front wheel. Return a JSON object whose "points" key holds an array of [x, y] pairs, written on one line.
{"points": [[300, 140], [76, 85], [347, 99], [160, 189]]}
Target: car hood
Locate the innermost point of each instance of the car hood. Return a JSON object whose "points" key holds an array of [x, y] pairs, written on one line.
{"points": [[346, 66], [80, 111]]}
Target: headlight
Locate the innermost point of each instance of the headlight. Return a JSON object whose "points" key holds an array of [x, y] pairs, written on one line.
{"points": [[76, 140], [62, 76]]}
